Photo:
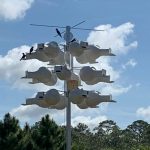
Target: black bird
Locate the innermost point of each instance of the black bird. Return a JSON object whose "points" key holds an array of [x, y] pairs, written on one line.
{"points": [[23, 56], [31, 49], [58, 32], [73, 40], [83, 46]]}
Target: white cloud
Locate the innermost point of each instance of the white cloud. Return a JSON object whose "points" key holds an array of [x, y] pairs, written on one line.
{"points": [[88, 120], [12, 69], [33, 113], [115, 89], [144, 113], [131, 63], [14, 9], [114, 38]]}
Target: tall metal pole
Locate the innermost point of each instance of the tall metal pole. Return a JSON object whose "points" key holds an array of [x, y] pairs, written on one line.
{"points": [[68, 108]]}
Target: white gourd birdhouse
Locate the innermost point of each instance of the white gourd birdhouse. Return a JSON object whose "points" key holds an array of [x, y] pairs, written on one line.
{"points": [[52, 97], [52, 49], [105, 79], [62, 72], [93, 99], [42, 75], [76, 49], [40, 46], [77, 96], [58, 60], [39, 55], [38, 100], [92, 76], [92, 53], [83, 105], [61, 104]]}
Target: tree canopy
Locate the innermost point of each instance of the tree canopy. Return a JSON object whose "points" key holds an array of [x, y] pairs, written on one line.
{"points": [[47, 135]]}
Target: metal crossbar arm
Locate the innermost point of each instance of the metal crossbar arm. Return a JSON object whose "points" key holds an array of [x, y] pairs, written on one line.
{"points": [[43, 25], [87, 29]]}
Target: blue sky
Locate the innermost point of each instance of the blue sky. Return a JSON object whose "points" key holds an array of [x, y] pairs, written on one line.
{"points": [[128, 31]]}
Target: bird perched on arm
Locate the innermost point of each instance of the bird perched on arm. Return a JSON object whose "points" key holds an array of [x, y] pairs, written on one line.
{"points": [[58, 32], [83, 46], [73, 40], [23, 56], [31, 50]]}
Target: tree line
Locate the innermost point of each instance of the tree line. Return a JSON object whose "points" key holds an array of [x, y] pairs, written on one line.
{"points": [[47, 135]]}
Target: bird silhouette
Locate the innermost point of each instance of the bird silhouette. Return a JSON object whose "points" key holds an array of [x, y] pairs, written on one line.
{"points": [[73, 40], [83, 46], [23, 56], [31, 49], [58, 32]]}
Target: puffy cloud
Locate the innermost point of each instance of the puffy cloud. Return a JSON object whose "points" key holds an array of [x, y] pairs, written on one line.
{"points": [[14, 9], [131, 63], [91, 117], [33, 113], [88, 120], [115, 89], [114, 37], [144, 113], [14, 69]]}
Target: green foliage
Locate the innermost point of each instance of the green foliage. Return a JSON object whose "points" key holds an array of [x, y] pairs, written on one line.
{"points": [[9, 132], [47, 135]]}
